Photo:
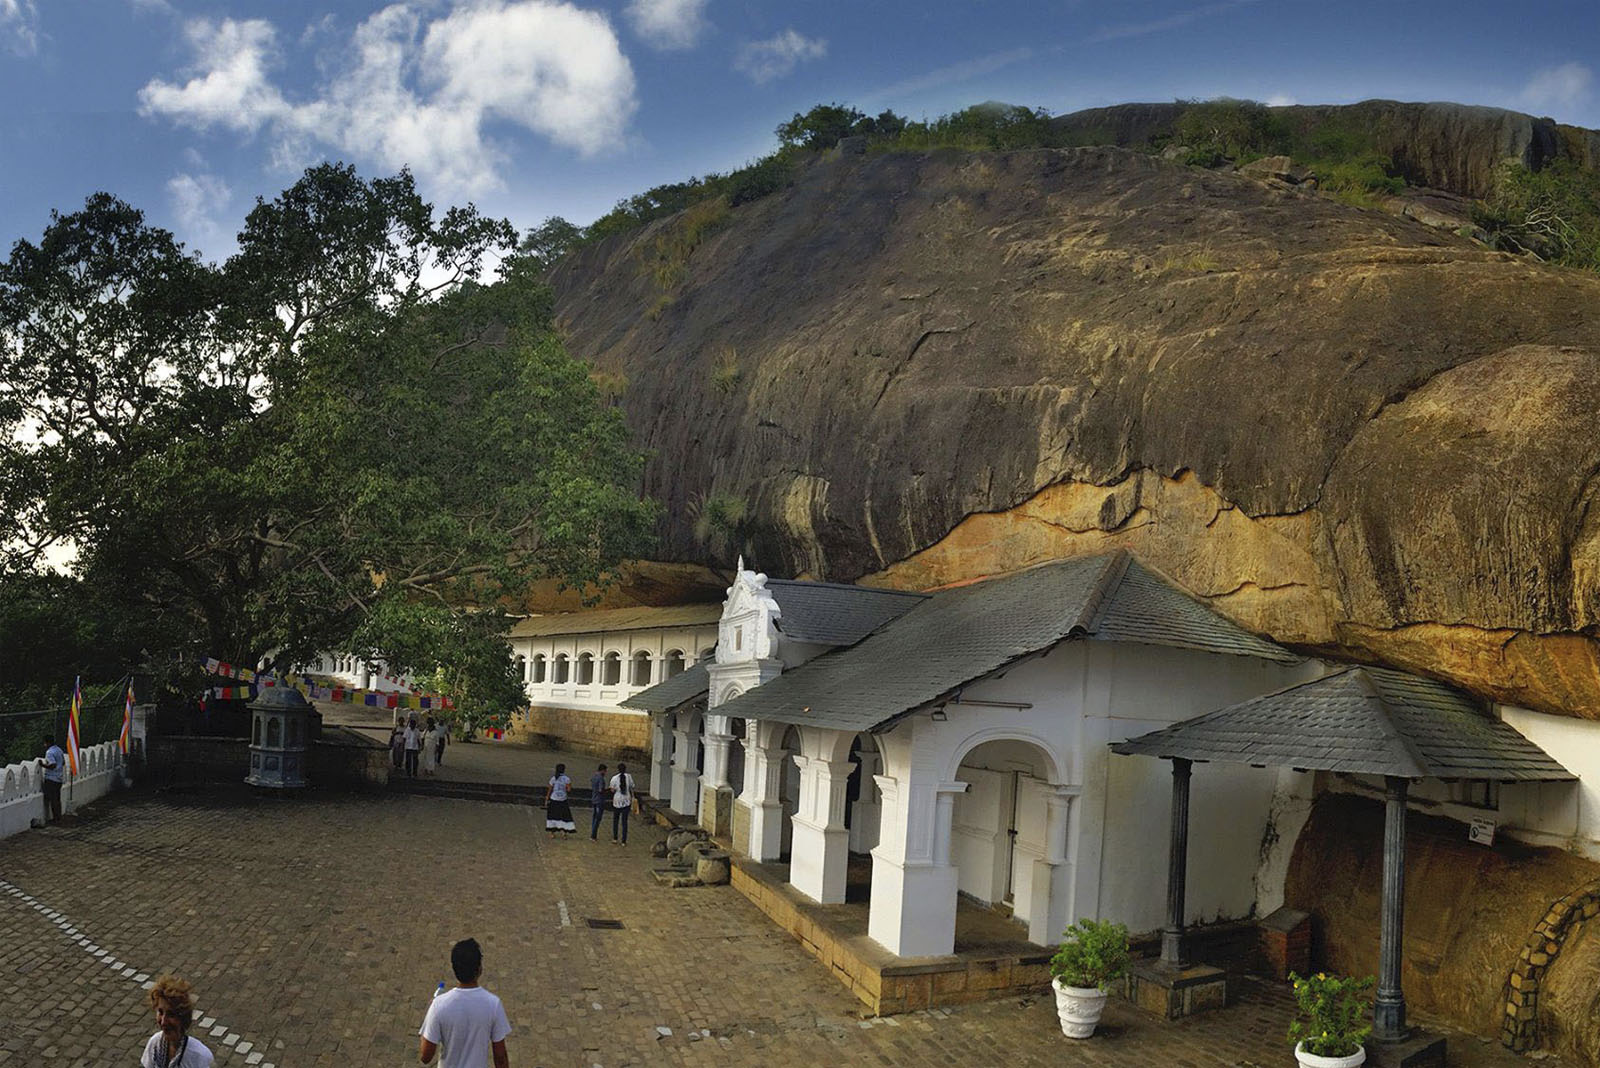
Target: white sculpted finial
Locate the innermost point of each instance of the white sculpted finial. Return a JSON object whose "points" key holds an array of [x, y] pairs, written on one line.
{"points": [[741, 562]]}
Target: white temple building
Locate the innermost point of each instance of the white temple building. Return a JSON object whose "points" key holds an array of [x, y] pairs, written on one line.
{"points": [[958, 744], [961, 737]]}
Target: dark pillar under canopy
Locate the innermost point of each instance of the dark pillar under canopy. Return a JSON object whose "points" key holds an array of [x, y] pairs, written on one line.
{"points": [[1389, 1009], [1173, 949]]}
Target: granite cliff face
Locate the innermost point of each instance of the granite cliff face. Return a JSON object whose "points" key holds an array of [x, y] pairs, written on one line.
{"points": [[1346, 430], [1453, 147]]}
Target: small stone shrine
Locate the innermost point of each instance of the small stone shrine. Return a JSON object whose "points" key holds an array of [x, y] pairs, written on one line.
{"points": [[280, 735]]}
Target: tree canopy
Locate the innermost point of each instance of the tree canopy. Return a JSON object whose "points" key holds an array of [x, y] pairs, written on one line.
{"points": [[338, 439]]}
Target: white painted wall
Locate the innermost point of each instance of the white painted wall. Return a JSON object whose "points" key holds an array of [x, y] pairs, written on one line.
{"points": [[1229, 804], [1080, 697], [1566, 815], [656, 641], [22, 789]]}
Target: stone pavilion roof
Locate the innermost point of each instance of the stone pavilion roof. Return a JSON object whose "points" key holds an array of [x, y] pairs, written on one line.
{"points": [[1366, 720]]}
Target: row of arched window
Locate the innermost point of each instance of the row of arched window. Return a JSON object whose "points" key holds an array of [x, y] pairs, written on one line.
{"points": [[581, 670]]}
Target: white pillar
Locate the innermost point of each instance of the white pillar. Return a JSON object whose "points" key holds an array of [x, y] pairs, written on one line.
{"points": [[716, 794], [820, 850], [913, 909], [660, 757], [1050, 904], [685, 775], [762, 769]]}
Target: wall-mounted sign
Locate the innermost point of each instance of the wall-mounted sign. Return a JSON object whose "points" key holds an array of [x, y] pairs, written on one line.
{"points": [[1482, 831]]}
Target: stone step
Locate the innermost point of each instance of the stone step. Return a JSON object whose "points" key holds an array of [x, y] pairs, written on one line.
{"points": [[505, 793]]}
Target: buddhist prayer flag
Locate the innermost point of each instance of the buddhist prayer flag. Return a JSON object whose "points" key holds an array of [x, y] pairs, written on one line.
{"points": [[262, 679], [126, 733], [73, 729]]}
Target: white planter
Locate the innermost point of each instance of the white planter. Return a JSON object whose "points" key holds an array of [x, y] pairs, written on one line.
{"points": [[1079, 1008], [1311, 1060]]}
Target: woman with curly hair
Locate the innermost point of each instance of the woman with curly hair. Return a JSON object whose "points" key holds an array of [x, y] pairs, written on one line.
{"points": [[171, 1046]]}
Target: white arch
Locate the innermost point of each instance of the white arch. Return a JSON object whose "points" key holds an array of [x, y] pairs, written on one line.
{"points": [[1003, 733]]}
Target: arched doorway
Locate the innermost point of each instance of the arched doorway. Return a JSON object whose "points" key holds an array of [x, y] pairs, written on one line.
{"points": [[998, 831], [863, 800], [736, 755], [788, 788]]}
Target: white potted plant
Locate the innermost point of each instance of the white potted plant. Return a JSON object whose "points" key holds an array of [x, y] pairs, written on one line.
{"points": [[1093, 955], [1332, 1023]]}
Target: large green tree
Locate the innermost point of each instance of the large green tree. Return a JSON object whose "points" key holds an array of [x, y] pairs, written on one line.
{"points": [[340, 438]]}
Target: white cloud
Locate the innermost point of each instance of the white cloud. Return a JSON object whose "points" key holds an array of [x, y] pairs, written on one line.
{"points": [[1553, 88], [667, 24], [1280, 100], [230, 87], [409, 92], [199, 202], [965, 70], [777, 56], [1170, 22], [19, 26]]}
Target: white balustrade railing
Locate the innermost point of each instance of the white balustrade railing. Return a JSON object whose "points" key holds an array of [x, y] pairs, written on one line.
{"points": [[22, 786]]}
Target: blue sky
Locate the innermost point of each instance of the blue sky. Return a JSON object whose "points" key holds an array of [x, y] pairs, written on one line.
{"points": [[190, 109]]}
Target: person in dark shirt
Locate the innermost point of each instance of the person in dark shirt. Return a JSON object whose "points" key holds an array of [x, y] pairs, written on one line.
{"points": [[597, 802]]}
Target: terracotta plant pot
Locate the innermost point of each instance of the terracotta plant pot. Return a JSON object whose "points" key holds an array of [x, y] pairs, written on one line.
{"points": [[1079, 1008], [1312, 1060]]}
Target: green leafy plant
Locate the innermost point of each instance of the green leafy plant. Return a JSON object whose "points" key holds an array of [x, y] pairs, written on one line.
{"points": [[1333, 1013], [1093, 953]]}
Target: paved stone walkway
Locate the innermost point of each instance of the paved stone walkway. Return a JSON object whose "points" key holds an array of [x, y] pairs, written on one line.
{"points": [[316, 929]]}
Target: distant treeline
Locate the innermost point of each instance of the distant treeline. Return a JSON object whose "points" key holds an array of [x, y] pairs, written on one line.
{"points": [[1553, 213]]}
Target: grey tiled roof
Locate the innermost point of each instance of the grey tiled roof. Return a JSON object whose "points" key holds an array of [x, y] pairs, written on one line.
{"points": [[683, 687], [1372, 721], [957, 636], [616, 619], [830, 614]]}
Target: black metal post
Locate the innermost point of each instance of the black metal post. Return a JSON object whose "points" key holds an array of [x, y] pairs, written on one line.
{"points": [[1172, 935], [1389, 1010]]}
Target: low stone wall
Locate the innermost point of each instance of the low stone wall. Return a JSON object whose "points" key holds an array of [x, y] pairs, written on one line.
{"points": [[622, 734], [196, 759], [875, 976], [338, 759], [22, 786], [345, 758]]}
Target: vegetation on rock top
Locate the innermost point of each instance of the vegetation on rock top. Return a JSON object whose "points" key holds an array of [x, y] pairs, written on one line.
{"points": [[1551, 211]]}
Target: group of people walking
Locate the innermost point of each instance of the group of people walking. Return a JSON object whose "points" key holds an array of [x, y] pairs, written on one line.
{"points": [[411, 745], [615, 793]]}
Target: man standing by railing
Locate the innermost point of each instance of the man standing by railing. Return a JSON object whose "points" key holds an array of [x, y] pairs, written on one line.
{"points": [[55, 762]]}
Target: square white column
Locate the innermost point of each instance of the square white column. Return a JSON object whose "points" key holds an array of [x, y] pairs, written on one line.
{"points": [[913, 907], [819, 853], [761, 801], [660, 757], [685, 776], [1050, 894]]}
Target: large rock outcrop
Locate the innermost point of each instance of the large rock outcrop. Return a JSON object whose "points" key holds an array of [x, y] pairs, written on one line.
{"points": [[1349, 431], [1454, 147]]}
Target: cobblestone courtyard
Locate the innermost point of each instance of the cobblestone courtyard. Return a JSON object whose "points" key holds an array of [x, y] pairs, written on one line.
{"points": [[316, 929]]}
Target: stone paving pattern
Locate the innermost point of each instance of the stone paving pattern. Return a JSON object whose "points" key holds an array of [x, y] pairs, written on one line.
{"points": [[315, 929]]}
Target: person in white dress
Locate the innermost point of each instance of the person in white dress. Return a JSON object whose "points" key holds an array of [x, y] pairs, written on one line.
{"points": [[430, 748]]}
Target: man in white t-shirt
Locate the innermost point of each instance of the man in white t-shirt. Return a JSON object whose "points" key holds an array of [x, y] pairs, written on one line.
{"points": [[468, 1022]]}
